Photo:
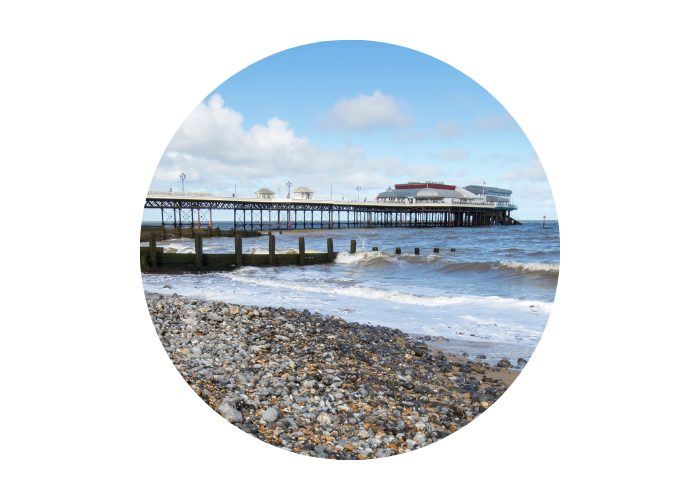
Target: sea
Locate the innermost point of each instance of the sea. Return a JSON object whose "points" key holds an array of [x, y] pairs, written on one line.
{"points": [[491, 296]]}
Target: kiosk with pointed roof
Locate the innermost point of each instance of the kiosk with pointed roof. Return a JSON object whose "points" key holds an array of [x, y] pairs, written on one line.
{"points": [[264, 193], [302, 193]]}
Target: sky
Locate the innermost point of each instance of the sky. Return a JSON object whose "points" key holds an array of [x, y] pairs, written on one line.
{"points": [[334, 116]]}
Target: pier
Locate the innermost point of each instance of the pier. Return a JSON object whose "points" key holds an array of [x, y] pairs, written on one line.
{"points": [[182, 209]]}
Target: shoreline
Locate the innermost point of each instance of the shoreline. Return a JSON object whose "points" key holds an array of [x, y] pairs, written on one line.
{"points": [[452, 348]]}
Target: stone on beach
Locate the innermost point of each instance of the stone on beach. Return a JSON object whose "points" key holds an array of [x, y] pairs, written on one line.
{"points": [[318, 385]]}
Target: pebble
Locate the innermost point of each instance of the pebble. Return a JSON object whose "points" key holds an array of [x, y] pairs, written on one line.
{"points": [[318, 385]]}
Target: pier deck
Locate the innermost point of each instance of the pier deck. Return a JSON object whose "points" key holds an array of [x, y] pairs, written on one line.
{"points": [[195, 210]]}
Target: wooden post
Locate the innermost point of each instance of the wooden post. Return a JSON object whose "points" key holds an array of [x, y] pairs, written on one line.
{"points": [[436, 250], [417, 251], [272, 249], [302, 251], [398, 250], [199, 258], [329, 245], [209, 232], [353, 246], [218, 231], [152, 250], [239, 250]]}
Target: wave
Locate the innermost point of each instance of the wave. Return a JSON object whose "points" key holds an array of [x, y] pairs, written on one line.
{"points": [[530, 266], [365, 292], [541, 252], [379, 258], [460, 267], [177, 248]]}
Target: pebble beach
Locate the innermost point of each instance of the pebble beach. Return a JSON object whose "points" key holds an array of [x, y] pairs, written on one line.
{"points": [[321, 386]]}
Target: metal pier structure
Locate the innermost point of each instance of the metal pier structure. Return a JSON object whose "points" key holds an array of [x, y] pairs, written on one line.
{"points": [[181, 209]]}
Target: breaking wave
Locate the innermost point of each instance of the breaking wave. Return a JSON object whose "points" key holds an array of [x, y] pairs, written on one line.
{"points": [[395, 295], [530, 266]]}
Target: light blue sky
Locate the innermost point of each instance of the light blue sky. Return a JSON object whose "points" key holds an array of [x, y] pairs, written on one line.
{"points": [[347, 114]]}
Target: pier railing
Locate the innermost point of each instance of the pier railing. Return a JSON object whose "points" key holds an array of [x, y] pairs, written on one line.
{"points": [[180, 193], [466, 202]]}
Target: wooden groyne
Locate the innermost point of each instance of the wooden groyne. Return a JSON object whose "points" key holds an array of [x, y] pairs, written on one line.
{"points": [[155, 260], [166, 233]]}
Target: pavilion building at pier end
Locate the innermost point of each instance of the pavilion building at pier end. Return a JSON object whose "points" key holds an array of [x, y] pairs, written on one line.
{"points": [[439, 192]]}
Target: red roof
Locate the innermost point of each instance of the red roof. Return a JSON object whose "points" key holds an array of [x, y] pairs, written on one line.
{"points": [[418, 186]]}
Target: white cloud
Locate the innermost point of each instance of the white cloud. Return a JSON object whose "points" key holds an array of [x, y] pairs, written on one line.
{"points": [[495, 122], [215, 152], [363, 113], [453, 155], [215, 131], [531, 190], [448, 130], [533, 172]]}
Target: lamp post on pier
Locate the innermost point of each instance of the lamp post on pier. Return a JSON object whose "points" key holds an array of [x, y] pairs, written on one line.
{"points": [[182, 178], [358, 193], [289, 186]]}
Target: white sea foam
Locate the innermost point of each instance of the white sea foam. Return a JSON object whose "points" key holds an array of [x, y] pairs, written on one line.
{"points": [[362, 257], [365, 292], [530, 266], [177, 248], [468, 317]]}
